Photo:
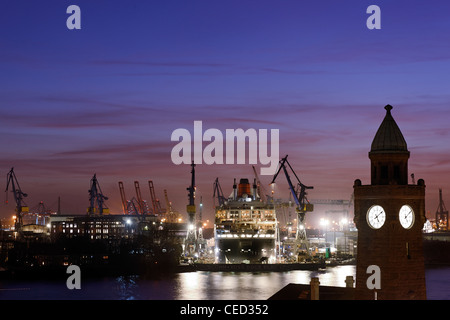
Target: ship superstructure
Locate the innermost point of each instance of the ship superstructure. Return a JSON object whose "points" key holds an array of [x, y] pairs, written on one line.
{"points": [[245, 226]]}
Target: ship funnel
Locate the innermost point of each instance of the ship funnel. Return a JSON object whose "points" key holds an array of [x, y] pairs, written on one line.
{"points": [[244, 188]]}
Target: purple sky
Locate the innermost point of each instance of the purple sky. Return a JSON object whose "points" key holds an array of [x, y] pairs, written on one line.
{"points": [[105, 99]]}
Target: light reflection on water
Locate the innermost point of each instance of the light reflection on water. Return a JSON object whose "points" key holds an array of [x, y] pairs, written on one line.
{"points": [[247, 285], [199, 286]]}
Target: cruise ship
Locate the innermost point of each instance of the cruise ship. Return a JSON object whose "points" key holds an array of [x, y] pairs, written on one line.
{"points": [[245, 227]]}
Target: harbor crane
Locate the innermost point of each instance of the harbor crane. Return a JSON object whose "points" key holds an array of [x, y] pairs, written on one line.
{"points": [[191, 236], [173, 216], [123, 197], [40, 211], [218, 193], [441, 214], [128, 206], [141, 202], [21, 207], [96, 198], [302, 203], [155, 201], [168, 203]]}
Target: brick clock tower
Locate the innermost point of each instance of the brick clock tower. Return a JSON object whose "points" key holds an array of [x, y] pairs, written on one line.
{"points": [[389, 216]]}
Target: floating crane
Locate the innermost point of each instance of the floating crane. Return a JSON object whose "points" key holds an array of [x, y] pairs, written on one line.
{"points": [[96, 198], [303, 205], [21, 207]]}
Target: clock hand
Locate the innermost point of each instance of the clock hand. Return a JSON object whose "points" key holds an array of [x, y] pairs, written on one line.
{"points": [[407, 214], [378, 215]]}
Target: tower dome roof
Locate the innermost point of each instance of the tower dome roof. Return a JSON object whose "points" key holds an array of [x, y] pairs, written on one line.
{"points": [[389, 138]]}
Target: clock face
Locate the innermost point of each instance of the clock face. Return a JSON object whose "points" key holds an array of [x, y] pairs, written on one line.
{"points": [[406, 216], [376, 217]]}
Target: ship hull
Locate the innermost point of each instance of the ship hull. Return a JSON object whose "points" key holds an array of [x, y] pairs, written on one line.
{"points": [[249, 250]]}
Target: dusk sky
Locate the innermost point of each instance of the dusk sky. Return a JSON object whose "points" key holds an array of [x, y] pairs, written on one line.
{"points": [[105, 99]]}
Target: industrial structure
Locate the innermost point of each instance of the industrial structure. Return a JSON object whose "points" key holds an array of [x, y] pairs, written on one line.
{"points": [[21, 207], [173, 216], [96, 198], [139, 206], [137, 241], [441, 217], [191, 248], [300, 244]]}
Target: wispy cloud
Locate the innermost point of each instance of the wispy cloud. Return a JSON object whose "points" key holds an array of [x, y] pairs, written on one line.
{"points": [[174, 64], [68, 111], [125, 150]]}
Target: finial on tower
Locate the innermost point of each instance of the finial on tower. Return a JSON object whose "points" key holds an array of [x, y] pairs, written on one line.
{"points": [[388, 108]]}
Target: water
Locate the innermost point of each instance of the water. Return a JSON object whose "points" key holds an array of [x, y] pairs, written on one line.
{"points": [[199, 286]]}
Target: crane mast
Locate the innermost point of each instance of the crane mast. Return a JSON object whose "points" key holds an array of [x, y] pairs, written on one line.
{"points": [[155, 202], [168, 203], [191, 236], [152, 196], [139, 198], [21, 207], [299, 195], [123, 197]]}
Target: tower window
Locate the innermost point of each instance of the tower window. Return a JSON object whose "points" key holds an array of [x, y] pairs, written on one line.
{"points": [[384, 172], [397, 173]]}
